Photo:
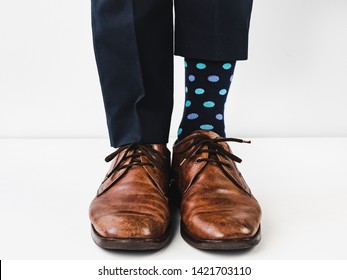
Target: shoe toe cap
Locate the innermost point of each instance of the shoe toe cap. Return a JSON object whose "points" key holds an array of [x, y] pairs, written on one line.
{"points": [[219, 226], [128, 226]]}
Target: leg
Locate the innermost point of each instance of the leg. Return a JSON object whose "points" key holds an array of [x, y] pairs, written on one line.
{"points": [[218, 210], [207, 86], [133, 42], [134, 52], [211, 35], [212, 30]]}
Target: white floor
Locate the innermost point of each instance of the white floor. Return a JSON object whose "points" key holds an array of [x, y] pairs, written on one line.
{"points": [[46, 186]]}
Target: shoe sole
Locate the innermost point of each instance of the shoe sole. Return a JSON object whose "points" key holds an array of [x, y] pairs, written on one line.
{"points": [[131, 244], [225, 244]]}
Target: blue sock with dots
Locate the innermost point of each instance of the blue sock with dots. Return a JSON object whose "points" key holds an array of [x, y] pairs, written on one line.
{"points": [[207, 86]]}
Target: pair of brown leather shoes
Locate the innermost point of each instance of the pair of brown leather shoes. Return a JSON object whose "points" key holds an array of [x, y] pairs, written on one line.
{"points": [[218, 211]]}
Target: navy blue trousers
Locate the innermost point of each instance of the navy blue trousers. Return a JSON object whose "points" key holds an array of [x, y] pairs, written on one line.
{"points": [[135, 42]]}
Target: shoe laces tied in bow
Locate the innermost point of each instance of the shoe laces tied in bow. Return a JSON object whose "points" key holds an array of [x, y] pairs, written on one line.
{"points": [[203, 143], [134, 153]]}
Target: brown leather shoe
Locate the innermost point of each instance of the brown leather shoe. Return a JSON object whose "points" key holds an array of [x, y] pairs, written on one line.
{"points": [[130, 211], [218, 211]]}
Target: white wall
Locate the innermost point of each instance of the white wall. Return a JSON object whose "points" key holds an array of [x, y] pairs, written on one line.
{"points": [[294, 83]]}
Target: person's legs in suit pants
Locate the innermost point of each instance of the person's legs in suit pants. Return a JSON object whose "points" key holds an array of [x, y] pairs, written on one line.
{"points": [[133, 49], [135, 42]]}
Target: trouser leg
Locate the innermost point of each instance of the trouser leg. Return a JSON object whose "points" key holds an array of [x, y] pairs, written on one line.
{"points": [[133, 43], [134, 53], [212, 29]]}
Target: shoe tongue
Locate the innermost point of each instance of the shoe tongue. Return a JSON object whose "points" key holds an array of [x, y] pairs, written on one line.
{"points": [[208, 133], [213, 135]]}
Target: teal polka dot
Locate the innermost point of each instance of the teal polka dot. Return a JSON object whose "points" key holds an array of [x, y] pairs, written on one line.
{"points": [[188, 103], [199, 91], [213, 78], [186, 89], [209, 104], [179, 131], [223, 91], [206, 127], [192, 116], [185, 64], [201, 66], [227, 66]]}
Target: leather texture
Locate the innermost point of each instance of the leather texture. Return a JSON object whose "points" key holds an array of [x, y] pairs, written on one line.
{"points": [[216, 202], [132, 200]]}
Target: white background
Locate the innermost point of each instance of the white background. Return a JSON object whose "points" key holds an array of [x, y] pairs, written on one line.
{"points": [[294, 83]]}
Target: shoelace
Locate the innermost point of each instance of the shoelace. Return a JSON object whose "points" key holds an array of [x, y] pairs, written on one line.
{"points": [[139, 150], [213, 149]]}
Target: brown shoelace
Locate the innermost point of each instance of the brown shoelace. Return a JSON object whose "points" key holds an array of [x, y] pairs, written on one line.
{"points": [[213, 148], [137, 150]]}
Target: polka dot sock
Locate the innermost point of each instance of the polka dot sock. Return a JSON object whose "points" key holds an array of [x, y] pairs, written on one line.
{"points": [[207, 86]]}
